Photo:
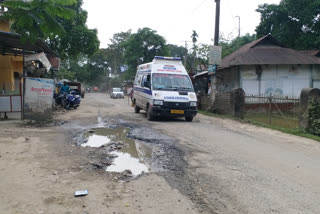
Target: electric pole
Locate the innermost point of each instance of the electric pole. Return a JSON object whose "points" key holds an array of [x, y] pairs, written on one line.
{"points": [[186, 47], [217, 25], [239, 25], [216, 43]]}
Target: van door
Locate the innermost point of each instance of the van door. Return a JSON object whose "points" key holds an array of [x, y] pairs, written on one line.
{"points": [[137, 90], [146, 94]]}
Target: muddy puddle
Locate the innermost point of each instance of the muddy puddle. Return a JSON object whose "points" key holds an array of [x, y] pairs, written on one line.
{"points": [[128, 154]]}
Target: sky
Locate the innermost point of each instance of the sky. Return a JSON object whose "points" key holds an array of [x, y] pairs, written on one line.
{"points": [[173, 19]]}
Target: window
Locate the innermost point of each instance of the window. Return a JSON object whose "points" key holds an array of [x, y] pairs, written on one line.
{"points": [[171, 82], [145, 78]]}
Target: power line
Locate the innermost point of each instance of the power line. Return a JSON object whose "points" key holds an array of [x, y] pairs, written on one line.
{"points": [[200, 5]]}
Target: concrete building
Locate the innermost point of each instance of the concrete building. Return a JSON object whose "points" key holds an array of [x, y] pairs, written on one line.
{"points": [[266, 67]]}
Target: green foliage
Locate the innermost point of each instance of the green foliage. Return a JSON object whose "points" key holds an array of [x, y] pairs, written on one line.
{"points": [[37, 18], [314, 118], [142, 47], [194, 37], [116, 51], [65, 73], [78, 39], [230, 46], [198, 56], [177, 51], [115, 83], [294, 23]]}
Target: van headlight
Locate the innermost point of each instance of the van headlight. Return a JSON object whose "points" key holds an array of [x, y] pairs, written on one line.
{"points": [[193, 104], [158, 102]]}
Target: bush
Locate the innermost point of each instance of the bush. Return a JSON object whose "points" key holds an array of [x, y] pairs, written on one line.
{"points": [[314, 118]]}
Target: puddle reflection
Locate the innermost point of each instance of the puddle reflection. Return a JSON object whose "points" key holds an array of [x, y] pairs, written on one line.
{"points": [[133, 156], [96, 141]]}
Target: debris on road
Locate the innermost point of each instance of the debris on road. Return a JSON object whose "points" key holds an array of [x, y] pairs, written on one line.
{"points": [[81, 193]]}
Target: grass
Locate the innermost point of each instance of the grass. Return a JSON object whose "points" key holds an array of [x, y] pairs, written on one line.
{"points": [[275, 121], [263, 123]]}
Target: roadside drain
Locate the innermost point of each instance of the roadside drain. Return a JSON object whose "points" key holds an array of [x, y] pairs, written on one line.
{"points": [[127, 154]]}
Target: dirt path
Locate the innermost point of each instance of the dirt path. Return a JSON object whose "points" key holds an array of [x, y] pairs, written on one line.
{"points": [[225, 167]]}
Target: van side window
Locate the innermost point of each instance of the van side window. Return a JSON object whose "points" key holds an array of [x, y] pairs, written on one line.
{"points": [[143, 79], [138, 80]]}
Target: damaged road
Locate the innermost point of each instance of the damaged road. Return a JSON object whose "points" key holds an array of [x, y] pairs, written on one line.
{"points": [[131, 165]]}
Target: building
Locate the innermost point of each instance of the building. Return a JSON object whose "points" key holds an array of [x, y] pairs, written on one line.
{"points": [[265, 66], [14, 54]]}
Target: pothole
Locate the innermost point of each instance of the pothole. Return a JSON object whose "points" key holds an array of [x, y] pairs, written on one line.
{"points": [[127, 154]]}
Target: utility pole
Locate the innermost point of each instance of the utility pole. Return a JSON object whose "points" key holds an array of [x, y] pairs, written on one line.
{"points": [[186, 47], [217, 25], [239, 25], [216, 43]]}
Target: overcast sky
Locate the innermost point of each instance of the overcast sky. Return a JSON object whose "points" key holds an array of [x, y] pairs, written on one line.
{"points": [[173, 19]]}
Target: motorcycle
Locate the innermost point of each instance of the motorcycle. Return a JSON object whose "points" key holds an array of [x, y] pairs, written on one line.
{"points": [[60, 98], [72, 100]]}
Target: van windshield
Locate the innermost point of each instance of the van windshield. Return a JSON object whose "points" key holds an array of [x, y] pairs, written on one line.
{"points": [[171, 82], [116, 90]]}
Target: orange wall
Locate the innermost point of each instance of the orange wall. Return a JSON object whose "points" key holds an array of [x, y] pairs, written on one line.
{"points": [[4, 26], [9, 65]]}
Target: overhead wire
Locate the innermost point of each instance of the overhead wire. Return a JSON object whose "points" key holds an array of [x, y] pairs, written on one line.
{"points": [[233, 17], [197, 7]]}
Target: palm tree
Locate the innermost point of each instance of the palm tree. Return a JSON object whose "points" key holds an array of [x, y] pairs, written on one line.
{"points": [[35, 19]]}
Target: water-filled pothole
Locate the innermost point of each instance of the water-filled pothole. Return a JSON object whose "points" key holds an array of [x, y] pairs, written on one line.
{"points": [[129, 154]]}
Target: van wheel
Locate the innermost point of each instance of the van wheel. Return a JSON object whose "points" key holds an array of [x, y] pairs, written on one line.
{"points": [[136, 109], [189, 119], [149, 114]]}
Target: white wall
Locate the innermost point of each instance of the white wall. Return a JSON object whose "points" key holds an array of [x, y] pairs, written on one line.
{"points": [[277, 79]]}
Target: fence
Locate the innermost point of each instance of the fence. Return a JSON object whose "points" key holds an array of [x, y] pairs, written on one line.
{"points": [[281, 111], [222, 103], [203, 102]]}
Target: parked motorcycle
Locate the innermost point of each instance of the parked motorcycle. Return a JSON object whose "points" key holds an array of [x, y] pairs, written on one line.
{"points": [[60, 98], [72, 100]]}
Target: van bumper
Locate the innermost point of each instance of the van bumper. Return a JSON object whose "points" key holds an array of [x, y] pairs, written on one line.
{"points": [[162, 111]]}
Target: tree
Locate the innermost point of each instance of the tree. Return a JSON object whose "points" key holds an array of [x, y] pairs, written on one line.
{"points": [[90, 70], [177, 51], [296, 24], [230, 46], [116, 50], [37, 18], [142, 47], [194, 37], [202, 57], [78, 39]]}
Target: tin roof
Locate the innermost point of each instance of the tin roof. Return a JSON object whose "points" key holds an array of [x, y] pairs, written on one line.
{"points": [[311, 52], [11, 43], [264, 51], [200, 74]]}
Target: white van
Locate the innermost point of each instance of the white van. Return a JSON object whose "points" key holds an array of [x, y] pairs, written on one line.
{"points": [[163, 88]]}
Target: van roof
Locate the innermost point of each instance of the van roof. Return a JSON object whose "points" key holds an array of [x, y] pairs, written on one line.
{"points": [[161, 64], [167, 58]]}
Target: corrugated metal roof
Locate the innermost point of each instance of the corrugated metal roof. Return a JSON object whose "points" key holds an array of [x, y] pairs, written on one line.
{"points": [[200, 74], [311, 52], [266, 50], [11, 42]]}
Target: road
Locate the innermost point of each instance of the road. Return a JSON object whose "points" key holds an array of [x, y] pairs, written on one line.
{"points": [[211, 165]]}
